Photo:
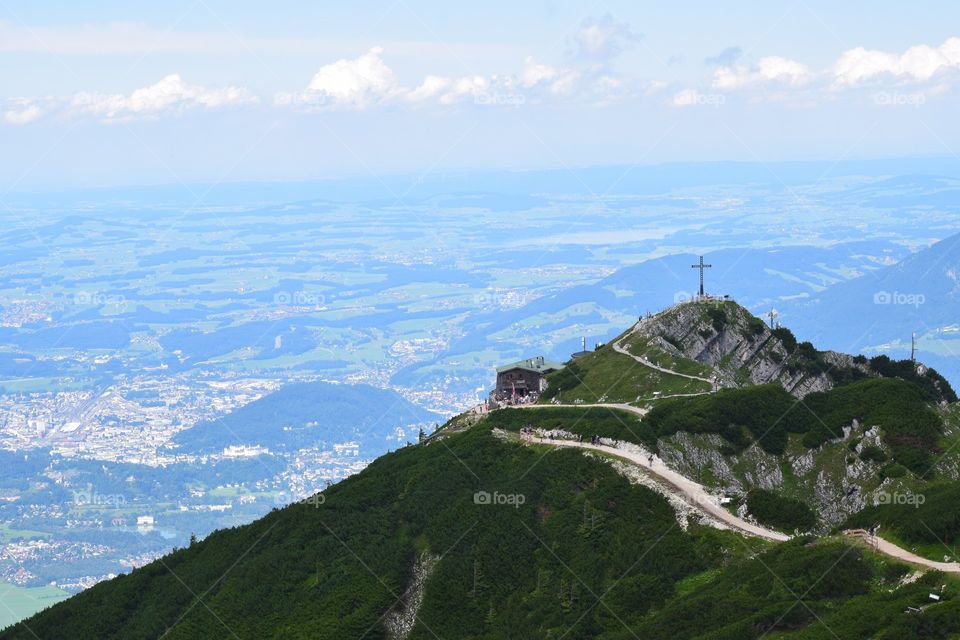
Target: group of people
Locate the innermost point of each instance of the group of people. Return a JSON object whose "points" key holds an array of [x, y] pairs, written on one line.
{"points": [[499, 400]]}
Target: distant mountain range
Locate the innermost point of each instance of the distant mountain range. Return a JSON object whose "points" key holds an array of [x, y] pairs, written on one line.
{"points": [[758, 278], [880, 310], [852, 297], [311, 414]]}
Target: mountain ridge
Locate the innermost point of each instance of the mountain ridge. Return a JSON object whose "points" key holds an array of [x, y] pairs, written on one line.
{"points": [[480, 532]]}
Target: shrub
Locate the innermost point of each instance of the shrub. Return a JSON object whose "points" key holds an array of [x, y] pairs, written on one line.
{"points": [[717, 318], [893, 470], [767, 414], [772, 509], [872, 453], [934, 385], [786, 336], [756, 327]]}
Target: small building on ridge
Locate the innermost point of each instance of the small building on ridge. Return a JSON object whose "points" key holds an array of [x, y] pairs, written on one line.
{"points": [[519, 380]]}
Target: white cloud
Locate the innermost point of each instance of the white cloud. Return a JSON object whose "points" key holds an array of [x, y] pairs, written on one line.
{"points": [[768, 69], [917, 63], [602, 39], [429, 88], [534, 73], [367, 81], [566, 82], [853, 68], [23, 112], [467, 87], [169, 96], [357, 83]]}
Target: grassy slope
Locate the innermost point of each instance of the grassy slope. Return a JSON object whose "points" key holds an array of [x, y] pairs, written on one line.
{"points": [[646, 348], [607, 376]]}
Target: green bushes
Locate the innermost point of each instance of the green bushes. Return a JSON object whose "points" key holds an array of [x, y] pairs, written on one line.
{"points": [[935, 387], [910, 426], [718, 319], [741, 416], [774, 510], [786, 337], [756, 326], [334, 569], [929, 517], [872, 453], [893, 470], [759, 597], [767, 414]]}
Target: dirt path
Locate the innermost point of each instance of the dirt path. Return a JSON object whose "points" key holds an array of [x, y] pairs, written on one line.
{"points": [[620, 349], [693, 493], [697, 496], [888, 548], [608, 405]]}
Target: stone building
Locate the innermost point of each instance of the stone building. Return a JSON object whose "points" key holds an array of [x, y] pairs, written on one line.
{"points": [[519, 380]]}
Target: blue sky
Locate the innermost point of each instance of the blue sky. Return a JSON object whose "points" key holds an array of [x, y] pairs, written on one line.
{"points": [[141, 92]]}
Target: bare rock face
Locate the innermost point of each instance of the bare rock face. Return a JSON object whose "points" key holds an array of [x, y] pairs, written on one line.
{"points": [[833, 479], [739, 347], [400, 621], [695, 455]]}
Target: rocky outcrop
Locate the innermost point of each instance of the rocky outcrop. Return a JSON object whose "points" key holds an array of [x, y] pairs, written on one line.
{"points": [[740, 348], [400, 621], [833, 479]]}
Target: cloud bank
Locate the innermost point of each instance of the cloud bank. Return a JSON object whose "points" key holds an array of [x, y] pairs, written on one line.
{"points": [[171, 96]]}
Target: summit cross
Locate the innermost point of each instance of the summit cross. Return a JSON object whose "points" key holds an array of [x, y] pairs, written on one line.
{"points": [[701, 266]]}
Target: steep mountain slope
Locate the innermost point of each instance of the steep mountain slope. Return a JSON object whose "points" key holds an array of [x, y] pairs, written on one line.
{"points": [[308, 413], [562, 546], [881, 309], [741, 350], [834, 431], [481, 532], [687, 347]]}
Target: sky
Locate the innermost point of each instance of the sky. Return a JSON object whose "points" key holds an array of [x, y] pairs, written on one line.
{"points": [[137, 92]]}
